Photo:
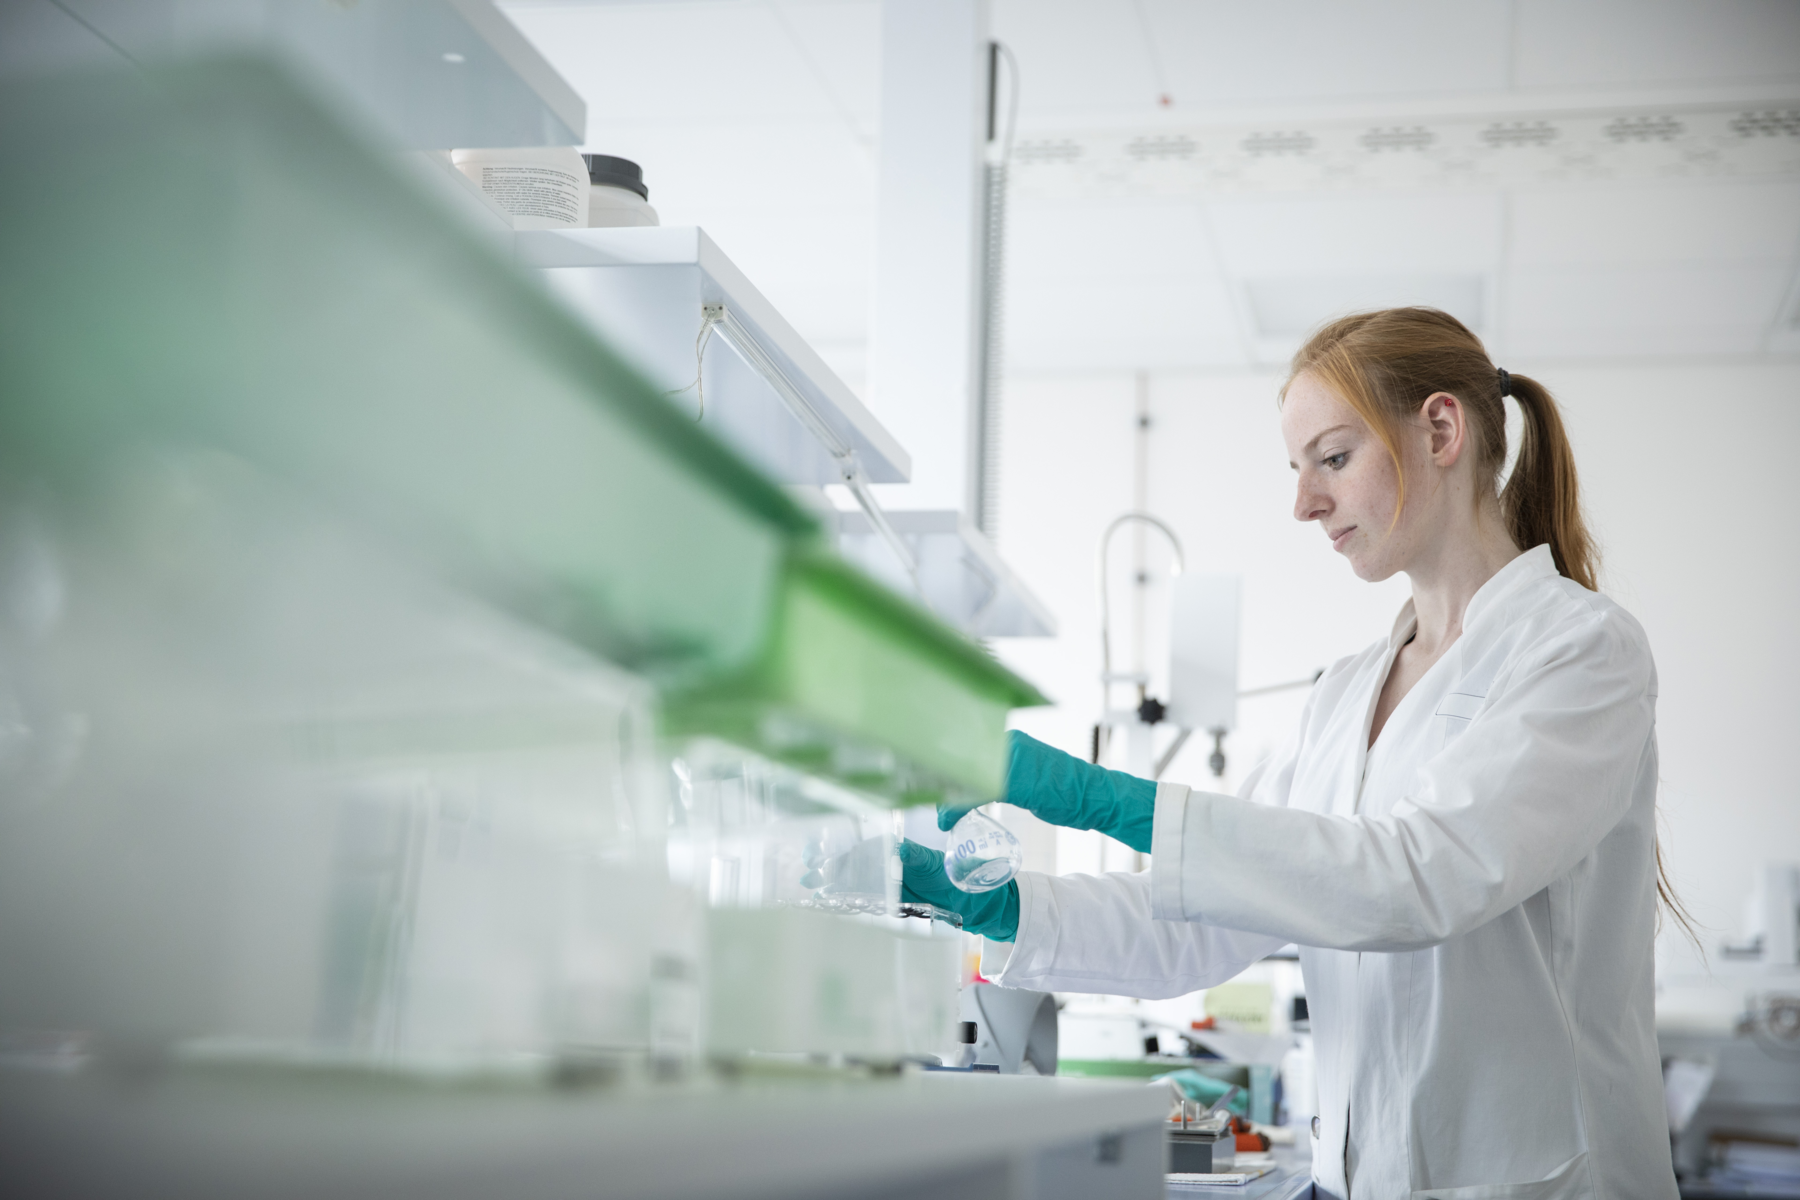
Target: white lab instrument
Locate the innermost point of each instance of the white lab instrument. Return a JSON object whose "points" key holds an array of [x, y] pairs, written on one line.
{"points": [[1473, 897], [1202, 669], [1772, 917], [1203, 653]]}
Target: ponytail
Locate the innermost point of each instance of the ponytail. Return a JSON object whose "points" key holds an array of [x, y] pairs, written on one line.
{"points": [[1386, 364], [1541, 501]]}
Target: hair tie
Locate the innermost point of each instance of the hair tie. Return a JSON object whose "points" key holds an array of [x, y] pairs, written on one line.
{"points": [[1505, 383]]}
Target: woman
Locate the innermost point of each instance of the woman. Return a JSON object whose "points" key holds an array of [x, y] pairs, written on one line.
{"points": [[1461, 838]]}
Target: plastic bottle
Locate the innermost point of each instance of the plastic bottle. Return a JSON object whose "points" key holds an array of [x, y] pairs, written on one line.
{"points": [[965, 1045], [539, 187], [616, 192]]}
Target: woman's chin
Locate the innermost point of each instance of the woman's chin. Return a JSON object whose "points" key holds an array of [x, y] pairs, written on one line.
{"points": [[1371, 570]]}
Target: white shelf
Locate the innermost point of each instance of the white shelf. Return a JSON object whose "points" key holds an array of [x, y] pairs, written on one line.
{"points": [[644, 291], [428, 75], [960, 574]]}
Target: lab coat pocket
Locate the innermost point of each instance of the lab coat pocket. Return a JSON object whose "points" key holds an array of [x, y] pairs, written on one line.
{"points": [[1454, 713], [1565, 1183]]}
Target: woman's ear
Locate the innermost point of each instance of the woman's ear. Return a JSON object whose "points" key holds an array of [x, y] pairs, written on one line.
{"points": [[1443, 415]]}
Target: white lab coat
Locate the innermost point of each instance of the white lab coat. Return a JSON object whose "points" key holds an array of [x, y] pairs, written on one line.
{"points": [[1474, 899]]}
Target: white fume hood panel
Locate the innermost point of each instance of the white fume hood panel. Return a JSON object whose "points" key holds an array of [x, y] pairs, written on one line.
{"points": [[961, 576], [1203, 652], [649, 293]]}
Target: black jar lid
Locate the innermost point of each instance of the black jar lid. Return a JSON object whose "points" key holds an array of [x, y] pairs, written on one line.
{"points": [[606, 171]]}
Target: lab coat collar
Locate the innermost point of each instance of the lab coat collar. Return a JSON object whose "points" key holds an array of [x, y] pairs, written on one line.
{"points": [[1536, 563]]}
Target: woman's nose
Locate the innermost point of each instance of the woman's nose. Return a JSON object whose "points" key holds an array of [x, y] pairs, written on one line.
{"points": [[1309, 503]]}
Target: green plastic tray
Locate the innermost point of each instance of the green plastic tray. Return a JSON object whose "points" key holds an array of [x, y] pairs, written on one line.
{"points": [[203, 257], [861, 685]]}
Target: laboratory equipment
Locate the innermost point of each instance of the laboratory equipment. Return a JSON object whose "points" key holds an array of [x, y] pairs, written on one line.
{"points": [[1016, 1028], [326, 752], [1205, 1145], [688, 319], [1772, 920], [1203, 657], [539, 187], [282, 796], [966, 1033], [1202, 672], [806, 947], [982, 854], [616, 193], [343, 660], [959, 573]]}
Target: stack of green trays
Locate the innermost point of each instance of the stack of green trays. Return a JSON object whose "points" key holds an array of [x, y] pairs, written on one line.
{"points": [[205, 257]]}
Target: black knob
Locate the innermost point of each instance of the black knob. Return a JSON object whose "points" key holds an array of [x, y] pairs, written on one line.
{"points": [[1152, 710]]}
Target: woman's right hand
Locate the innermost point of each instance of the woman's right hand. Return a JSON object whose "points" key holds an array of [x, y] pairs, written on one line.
{"points": [[1064, 790], [994, 914]]}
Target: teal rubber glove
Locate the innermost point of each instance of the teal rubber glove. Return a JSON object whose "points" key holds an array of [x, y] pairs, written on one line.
{"points": [[1066, 791], [994, 915], [1204, 1089]]}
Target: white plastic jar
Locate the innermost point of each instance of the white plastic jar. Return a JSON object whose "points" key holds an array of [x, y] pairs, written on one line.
{"points": [[616, 192], [539, 187]]}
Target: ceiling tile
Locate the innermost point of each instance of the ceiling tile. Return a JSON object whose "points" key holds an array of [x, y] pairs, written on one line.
{"points": [[1107, 240], [1290, 306], [842, 41], [1332, 234], [1642, 310], [1120, 325], [694, 170], [1077, 57], [645, 64], [1650, 42], [1671, 223], [1223, 52]]}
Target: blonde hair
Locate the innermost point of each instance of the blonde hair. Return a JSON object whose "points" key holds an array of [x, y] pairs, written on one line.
{"points": [[1386, 364]]}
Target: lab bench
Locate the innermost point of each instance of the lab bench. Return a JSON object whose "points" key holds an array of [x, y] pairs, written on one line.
{"points": [[1290, 1180], [277, 1133]]}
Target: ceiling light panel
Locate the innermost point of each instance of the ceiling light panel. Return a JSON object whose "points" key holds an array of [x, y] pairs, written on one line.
{"points": [[1655, 42], [1636, 144]]}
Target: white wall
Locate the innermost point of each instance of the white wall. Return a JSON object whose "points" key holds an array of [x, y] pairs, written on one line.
{"points": [[1685, 470]]}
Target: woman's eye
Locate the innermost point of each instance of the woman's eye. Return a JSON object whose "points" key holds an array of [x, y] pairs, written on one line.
{"points": [[1336, 461]]}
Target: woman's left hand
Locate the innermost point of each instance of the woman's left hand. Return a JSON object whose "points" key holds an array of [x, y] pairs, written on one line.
{"points": [[1064, 790]]}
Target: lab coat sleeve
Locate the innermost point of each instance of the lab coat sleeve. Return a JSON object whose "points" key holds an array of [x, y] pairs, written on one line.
{"points": [[1094, 933], [1526, 791]]}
